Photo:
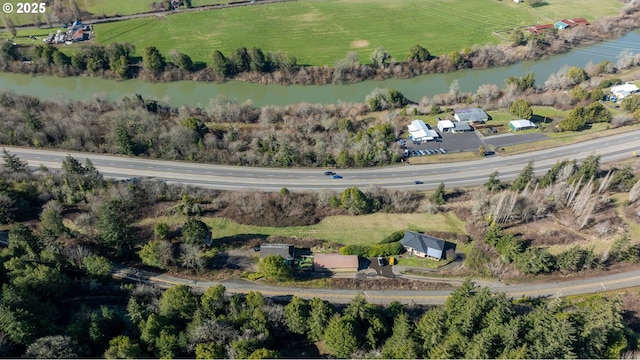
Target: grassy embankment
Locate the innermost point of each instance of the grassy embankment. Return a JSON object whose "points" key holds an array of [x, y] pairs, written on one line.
{"points": [[319, 33]]}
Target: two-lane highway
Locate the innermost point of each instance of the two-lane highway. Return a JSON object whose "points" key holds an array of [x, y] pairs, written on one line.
{"points": [[224, 177]]}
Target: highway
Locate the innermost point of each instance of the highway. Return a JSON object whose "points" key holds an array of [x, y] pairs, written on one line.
{"points": [[458, 174], [596, 284]]}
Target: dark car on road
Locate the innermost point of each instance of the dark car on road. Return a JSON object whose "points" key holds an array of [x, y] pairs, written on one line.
{"points": [[418, 182], [336, 176], [329, 173]]}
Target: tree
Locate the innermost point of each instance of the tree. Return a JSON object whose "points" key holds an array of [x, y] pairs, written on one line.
{"points": [[577, 75], [220, 64], [212, 301], [264, 353], [52, 347], [493, 183], [455, 58], [195, 232], [51, 226], [9, 52], [210, 351], [576, 120], [121, 347], [193, 257], [340, 338], [319, 314], [355, 201], [97, 267], [258, 61], [161, 231], [114, 225], [157, 253], [12, 162], [521, 109], [402, 343], [438, 196], [631, 103], [181, 60], [274, 268], [596, 112], [297, 313], [523, 179], [517, 38], [60, 59], [380, 57], [178, 302], [152, 59], [418, 54]]}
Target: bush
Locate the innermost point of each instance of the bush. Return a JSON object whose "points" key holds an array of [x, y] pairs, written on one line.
{"points": [[372, 251], [394, 237]]}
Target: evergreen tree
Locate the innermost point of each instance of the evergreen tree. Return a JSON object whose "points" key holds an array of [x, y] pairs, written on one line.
{"points": [[523, 179], [438, 196]]}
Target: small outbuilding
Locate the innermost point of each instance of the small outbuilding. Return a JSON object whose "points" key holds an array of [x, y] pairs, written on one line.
{"points": [[460, 126], [517, 125], [335, 263], [423, 245], [445, 125], [471, 115], [285, 251], [561, 25], [538, 29]]}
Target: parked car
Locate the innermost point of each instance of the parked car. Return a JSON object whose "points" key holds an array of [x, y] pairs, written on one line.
{"points": [[329, 173], [380, 261], [336, 176], [442, 150], [256, 248]]}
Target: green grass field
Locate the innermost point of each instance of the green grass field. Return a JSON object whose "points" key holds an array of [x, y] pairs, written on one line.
{"points": [[347, 230], [320, 32]]}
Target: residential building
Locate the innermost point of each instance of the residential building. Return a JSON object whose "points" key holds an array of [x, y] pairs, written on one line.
{"points": [[286, 251], [445, 125], [423, 245]]}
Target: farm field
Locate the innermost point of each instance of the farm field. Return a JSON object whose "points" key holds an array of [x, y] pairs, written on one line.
{"points": [[321, 32], [346, 230]]}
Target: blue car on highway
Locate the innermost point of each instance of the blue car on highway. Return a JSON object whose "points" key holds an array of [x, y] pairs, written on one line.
{"points": [[336, 176]]}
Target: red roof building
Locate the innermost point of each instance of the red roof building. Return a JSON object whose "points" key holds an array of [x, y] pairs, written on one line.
{"points": [[538, 29]]}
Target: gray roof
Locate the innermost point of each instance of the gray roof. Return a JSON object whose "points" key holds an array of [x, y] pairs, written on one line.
{"points": [[284, 250], [421, 242], [471, 114]]}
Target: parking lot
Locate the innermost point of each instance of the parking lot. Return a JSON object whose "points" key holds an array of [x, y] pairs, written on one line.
{"points": [[466, 141]]}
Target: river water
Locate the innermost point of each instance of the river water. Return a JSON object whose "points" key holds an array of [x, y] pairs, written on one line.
{"points": [[194, 93]]}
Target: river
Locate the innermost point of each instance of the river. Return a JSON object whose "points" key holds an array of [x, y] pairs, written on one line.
{"points": [[194, 93]]}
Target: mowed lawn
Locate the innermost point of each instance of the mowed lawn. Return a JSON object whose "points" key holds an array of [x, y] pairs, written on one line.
{"points": [[347, 230], [321, 32]]}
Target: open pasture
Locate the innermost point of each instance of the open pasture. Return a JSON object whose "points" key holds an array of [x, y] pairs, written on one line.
{"points": [[321, 32]]}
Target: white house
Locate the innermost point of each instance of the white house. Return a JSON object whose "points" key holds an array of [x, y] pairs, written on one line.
{"points": [[624, 90], [445, 125], [419, 131], [517, 125]]}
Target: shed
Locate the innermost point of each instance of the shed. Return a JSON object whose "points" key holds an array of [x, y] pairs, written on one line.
{"points": [[445, 125], [419, 131], [561, 25], [423, 245], [335, 263], [472, 115], [538, 29], [517, 125], [286, 251]]}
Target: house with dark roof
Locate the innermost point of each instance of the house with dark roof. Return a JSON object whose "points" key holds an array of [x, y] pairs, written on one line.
{"points": [[471, 115], [285, 251], [335, 263], [423, 245]]}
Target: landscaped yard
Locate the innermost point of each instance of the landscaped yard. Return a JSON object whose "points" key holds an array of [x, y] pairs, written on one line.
{"points": [[347, 230], [320, 32]]}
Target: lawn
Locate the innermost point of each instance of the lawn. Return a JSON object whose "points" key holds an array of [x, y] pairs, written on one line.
{"points": [[320, 32], [347, 230]]}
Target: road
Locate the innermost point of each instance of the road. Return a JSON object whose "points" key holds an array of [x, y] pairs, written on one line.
{"points": [[591, 285], [459, 174]]}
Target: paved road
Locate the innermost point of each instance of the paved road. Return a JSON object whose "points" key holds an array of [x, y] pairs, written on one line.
{"points": [[458, 174], [596, 284]]}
